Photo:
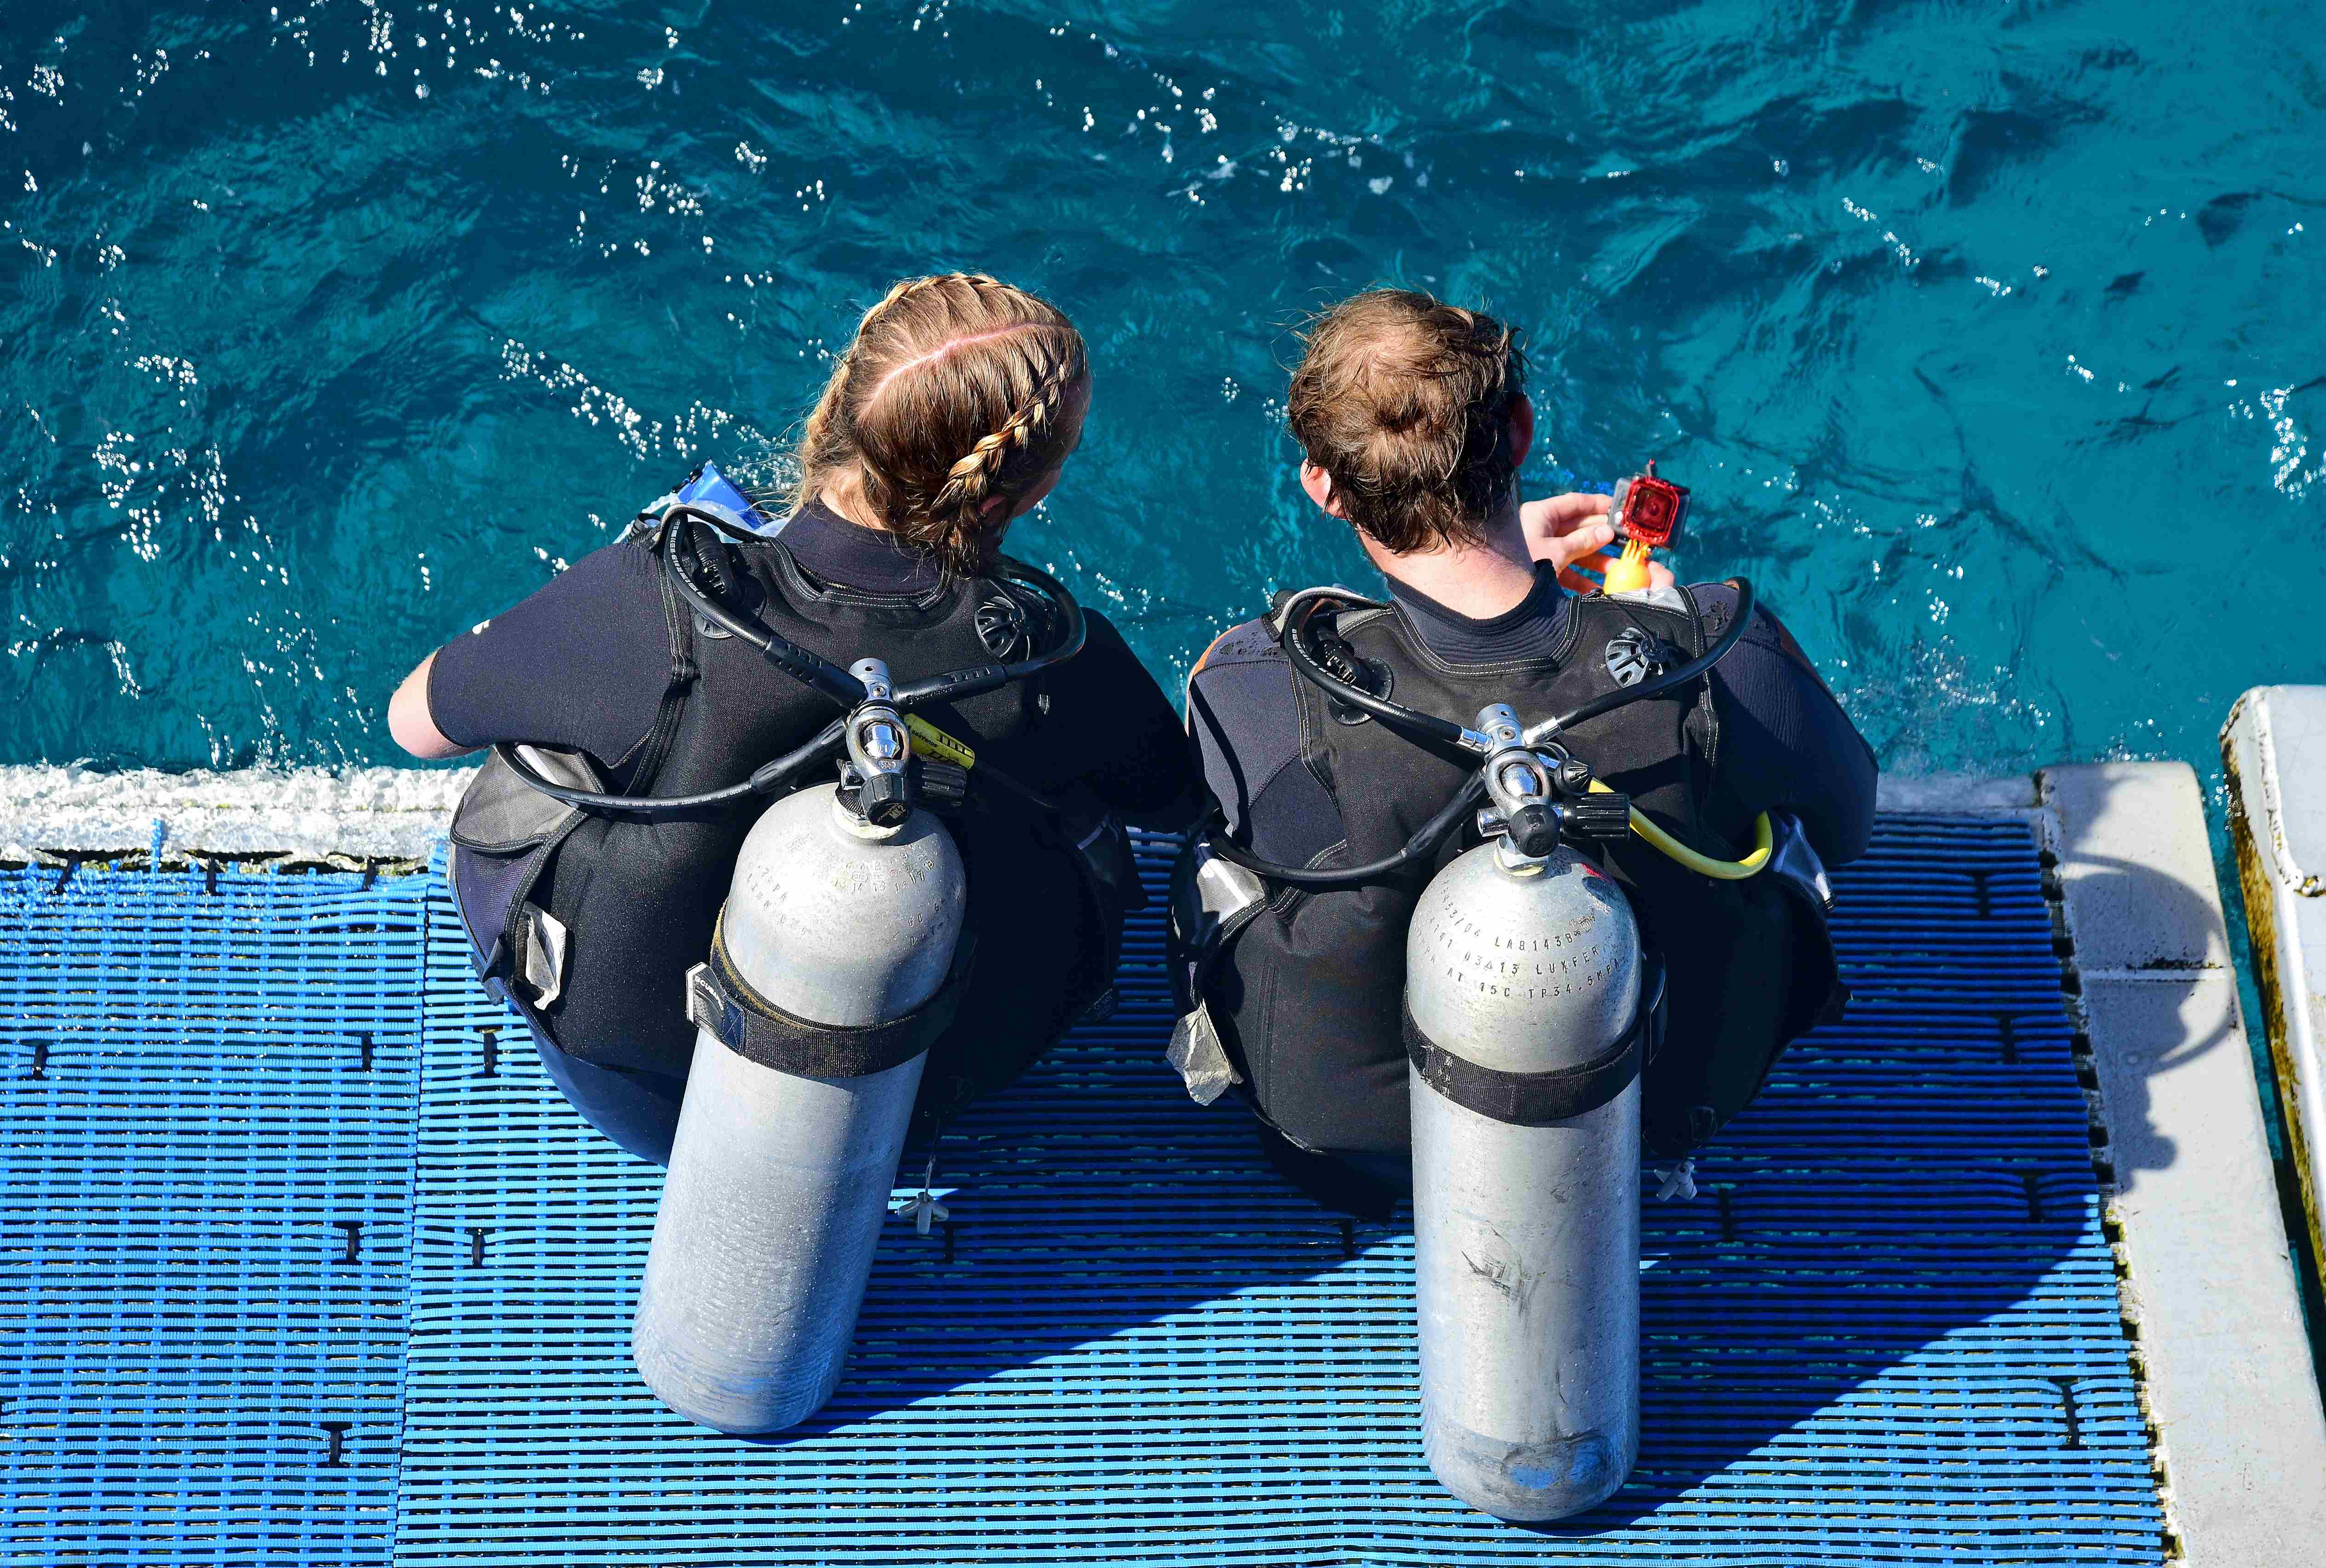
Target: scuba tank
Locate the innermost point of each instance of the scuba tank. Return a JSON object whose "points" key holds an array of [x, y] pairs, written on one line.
{"points": [[1527, 1002], [1531, 1008], [838, 958], [789, 1135]]}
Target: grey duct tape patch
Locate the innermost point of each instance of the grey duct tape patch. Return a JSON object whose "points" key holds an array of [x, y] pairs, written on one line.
{"points": [[1201, 1060], [543, 960]]}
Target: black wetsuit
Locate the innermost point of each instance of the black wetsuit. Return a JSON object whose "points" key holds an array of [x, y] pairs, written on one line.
{"points": [[583, 664]]}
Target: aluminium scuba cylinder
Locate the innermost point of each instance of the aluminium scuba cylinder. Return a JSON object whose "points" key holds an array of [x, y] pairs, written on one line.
{"points": [[838, 935], [1524, 1019]]}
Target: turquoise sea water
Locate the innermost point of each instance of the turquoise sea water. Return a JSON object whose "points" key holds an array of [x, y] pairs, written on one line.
{"points": [[1988, 334]]}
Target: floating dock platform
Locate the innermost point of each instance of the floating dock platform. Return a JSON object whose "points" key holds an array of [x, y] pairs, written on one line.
{"points": [[310, 1264], [2273, 753]]}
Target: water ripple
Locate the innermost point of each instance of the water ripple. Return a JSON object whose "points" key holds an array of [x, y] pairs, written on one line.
{"points": [[1984, 334]]}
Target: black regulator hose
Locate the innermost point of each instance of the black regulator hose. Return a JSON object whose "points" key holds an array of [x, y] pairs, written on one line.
{"points": [[1428, 727], [821, 675], [956, 685], [1423, 844], [837, 683], [811, 670], [1407, 721], [764, 781], [1656, 685]]}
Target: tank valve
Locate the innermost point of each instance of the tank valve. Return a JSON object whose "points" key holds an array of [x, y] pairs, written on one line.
{"points": [[1518, 783], [880, 751]]}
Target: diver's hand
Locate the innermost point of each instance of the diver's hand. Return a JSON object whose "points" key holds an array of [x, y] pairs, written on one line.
{"points": [[1572, 533]]}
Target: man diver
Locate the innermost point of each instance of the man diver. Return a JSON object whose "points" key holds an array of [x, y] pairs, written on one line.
{"points": [[1414, 422]]}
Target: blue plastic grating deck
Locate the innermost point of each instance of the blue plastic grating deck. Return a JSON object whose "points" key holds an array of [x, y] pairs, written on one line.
{"points": [[1886, 1332], [206, 1117]]}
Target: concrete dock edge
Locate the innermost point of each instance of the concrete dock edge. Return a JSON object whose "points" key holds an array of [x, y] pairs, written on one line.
{"points": [[377, 813], [2207, 1278]]}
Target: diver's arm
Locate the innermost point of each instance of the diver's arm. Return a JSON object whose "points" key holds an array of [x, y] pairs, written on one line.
{"points": [[580, 664], [1572, 533], [1138, 765], [411, 726], [1786, 744]]}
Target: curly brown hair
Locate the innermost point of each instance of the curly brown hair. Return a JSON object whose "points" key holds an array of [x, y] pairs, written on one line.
{"points": [[958, 389], [1405, 401]]}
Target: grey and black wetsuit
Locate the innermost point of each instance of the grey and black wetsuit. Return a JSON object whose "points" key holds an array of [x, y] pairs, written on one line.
{"points": [[1305, 994]]}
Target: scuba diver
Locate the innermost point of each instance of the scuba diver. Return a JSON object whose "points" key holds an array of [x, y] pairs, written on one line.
{"points": [[1335, 736], [644, 704]]}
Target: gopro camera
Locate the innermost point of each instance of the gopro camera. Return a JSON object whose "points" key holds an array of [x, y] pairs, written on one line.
{"points": [[1648, 509]]}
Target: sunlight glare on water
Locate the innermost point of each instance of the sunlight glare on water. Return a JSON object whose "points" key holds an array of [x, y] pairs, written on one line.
{"points": [[1987, 334]]}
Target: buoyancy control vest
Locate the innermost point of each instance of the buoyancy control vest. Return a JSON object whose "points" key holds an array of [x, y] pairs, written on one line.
{"points": [[1304, 988], [588, 922]]}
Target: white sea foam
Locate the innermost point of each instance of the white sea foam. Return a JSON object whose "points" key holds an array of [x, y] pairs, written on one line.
{"points": [[307, 813]]}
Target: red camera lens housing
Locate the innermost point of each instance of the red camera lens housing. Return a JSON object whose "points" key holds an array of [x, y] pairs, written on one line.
{"points": [[1648, 509]]}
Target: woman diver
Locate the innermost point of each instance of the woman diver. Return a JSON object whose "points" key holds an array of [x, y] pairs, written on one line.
{"points": [[638, 674]]}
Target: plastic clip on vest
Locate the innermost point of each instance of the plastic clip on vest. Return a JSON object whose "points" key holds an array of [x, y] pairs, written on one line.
{"points": [[1524, 1019], [840, 926]]}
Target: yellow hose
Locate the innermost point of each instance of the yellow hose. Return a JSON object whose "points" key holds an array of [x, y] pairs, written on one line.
{"points": [[1763, 839]]}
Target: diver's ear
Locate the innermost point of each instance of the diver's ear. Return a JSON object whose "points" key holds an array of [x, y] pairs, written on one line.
{"points": [[1521, 430], [1318, 484]]}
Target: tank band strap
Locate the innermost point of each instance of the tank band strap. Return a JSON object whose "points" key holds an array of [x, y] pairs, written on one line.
{"points": [[1541, 1099], [756, 1029]]}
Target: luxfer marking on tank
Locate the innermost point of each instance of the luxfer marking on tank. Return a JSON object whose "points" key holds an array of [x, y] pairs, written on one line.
{"points": [[1448, 926], [1461, 971]]}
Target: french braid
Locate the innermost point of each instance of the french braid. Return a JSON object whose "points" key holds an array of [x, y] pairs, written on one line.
{"points": [[957, 391], [1000, 464]]}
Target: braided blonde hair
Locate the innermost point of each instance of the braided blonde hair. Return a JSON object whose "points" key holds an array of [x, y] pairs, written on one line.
{"points": [[957, 392]]}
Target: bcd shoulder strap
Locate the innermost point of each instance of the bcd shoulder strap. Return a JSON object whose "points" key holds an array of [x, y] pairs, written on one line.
{"points": [[678, 626]]}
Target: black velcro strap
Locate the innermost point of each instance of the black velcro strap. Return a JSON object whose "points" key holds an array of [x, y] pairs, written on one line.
{"points": [[754, 1028], [1541, 1099]]}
